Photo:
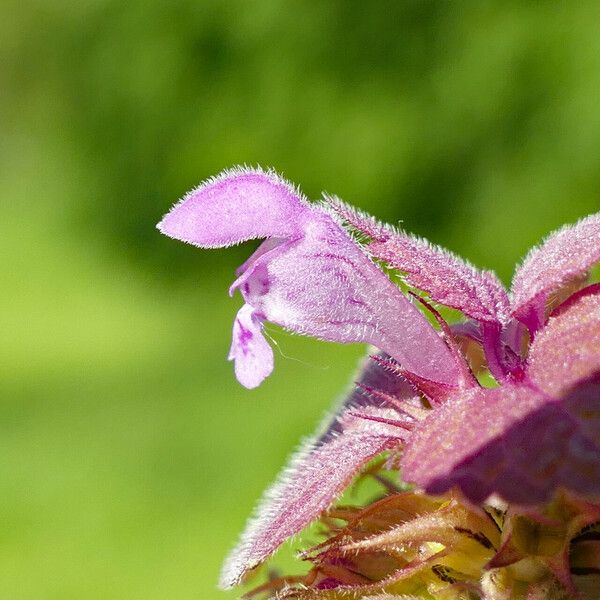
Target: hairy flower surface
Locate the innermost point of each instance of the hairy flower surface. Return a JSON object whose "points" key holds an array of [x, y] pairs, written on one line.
{"points": [[506, 502], [308, 276]]}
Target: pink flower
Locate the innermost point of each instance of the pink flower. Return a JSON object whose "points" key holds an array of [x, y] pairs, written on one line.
{"points": [[309, 276], [536, 433]]}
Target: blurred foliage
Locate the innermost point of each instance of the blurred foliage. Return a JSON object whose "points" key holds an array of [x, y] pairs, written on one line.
{"points": [[129, 457]]}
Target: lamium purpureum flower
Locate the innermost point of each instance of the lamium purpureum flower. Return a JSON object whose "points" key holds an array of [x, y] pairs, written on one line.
{"points": [[504, 500]]}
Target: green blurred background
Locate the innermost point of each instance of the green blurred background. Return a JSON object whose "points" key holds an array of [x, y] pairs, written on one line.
{"points": [[129, 456]]}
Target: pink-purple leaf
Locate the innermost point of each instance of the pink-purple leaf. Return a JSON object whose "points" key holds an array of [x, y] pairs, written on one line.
{"points": [[567, 349], [376, 386], [315, 477], [583, 402], [359, 220], [512, 441], [447, 278], [321, 470], [566, 254], [239, 204]]}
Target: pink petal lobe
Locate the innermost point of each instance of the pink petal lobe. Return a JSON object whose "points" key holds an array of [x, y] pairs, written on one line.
{"points": [[250, 351], [512, 441], [567, 349], [238, 205], [565, 255], [308, 486], [324, 285]]}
